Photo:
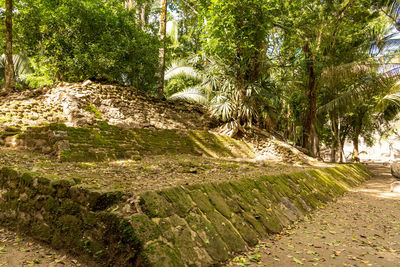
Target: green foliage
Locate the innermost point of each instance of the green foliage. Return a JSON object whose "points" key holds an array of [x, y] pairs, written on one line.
{"points": [[180, 75], [77, 40], [235, 30], [234, 40], [211, 87], [268, 63]]}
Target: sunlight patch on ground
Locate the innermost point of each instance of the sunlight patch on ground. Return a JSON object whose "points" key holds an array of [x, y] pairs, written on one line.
{"points": [[379, 193]]}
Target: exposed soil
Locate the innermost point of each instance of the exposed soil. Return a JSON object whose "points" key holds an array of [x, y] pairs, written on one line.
{"points": [[18, 251], [360, 229], [147, 173]]}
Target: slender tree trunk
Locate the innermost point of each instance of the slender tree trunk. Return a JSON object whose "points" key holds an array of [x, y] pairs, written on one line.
{"points": [[9, 71], [357, 131], [143, 14], [163, 33], [314, 142], [239, 98], [356, 154], [339, 142], [312, 98], [341, 151], [333, 152], [287, 121], [334, 140]]}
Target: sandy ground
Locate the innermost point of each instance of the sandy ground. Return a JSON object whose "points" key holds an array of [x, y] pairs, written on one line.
{"points": [[360, 229]]}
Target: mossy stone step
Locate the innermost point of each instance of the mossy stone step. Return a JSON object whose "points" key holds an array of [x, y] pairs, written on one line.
{"points": [[190, 225]]}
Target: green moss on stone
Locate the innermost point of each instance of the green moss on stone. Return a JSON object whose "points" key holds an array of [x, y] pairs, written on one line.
{"points": [[155, 205], [144, 228], [62, 187], [41, 232], [227, 232], [201, 200], [256, 224], [159, 254], [68, 206], [211, 240], [51, 205], [218, 201], [181, 202], [102, 200], [245, 230], [97, 114], [189, 243]]}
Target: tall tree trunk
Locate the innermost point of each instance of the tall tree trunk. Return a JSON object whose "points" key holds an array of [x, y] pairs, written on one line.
{"points": [[341, 153], [334, 139], [163, 33], [143, 14], [286, 133], [340, 142], [333, 152], [9, 71], [315, 143], [311, 95], [357, 132], [356, 154]]}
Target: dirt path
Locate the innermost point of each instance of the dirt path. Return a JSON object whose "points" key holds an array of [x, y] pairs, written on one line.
{"points": [[17, 251], [360, 229]]}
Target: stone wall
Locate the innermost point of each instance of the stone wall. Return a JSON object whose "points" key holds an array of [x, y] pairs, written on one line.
{"points": [[82, 104], [192, 225], [106, 142], [64, 215]]}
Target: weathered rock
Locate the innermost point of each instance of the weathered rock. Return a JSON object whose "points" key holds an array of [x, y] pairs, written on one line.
{"points": [[395, 187], [68, 103], [395, 169]]}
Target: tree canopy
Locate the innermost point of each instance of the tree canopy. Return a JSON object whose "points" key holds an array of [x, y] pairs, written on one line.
{"points": [[317, 73]]}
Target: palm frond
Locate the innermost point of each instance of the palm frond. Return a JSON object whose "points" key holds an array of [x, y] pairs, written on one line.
{"points": [[392, 9], [192, 95], [351, 70], [172, 31], [181, 67], [22, 66], [222, 107], [364, 90]]}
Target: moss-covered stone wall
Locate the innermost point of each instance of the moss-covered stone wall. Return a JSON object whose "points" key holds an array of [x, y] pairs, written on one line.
{"points": [[192, 225], [105, 142]]}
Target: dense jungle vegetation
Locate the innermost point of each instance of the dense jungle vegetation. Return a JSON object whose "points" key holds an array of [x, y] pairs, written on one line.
{"points": [[316, 72]]}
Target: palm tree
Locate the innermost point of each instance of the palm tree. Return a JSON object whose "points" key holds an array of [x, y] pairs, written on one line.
{"points": [[216, 90], [369, 93]]}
